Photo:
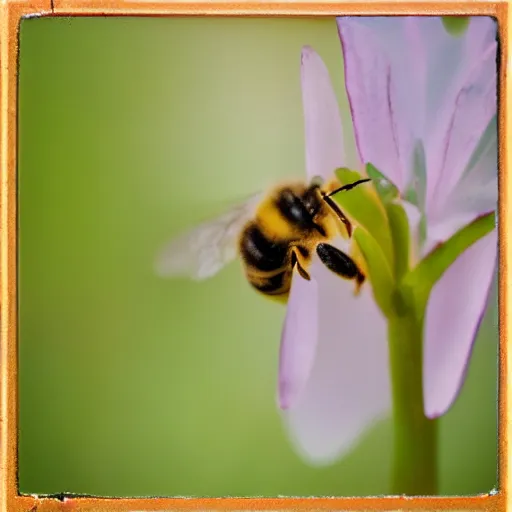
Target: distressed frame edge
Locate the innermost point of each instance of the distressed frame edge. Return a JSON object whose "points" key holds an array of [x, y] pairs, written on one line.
{"points": [[11, 14]]}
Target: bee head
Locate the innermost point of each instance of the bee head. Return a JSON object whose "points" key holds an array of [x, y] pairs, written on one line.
{"points": [[301, 209]]}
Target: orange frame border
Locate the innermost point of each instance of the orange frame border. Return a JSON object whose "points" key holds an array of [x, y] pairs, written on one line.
{"points": [[11, 12]]}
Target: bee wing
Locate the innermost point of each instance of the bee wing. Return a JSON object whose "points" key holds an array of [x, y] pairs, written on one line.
{"points": [[333, 375], [204, 250]]}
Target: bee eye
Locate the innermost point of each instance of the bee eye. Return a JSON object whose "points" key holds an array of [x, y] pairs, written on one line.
{"points": [[296, 212], [294, 208], [311, 203]]}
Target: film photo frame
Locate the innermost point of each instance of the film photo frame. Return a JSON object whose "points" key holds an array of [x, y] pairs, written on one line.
{"points": [[12, 12]]}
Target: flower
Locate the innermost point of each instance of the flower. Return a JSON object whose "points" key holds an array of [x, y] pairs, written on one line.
{"points": [[423, 105], [332, 382]]}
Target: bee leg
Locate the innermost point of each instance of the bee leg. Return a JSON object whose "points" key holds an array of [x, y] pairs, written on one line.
{"points": [[295, 262], [340, 263], [359, 283]]}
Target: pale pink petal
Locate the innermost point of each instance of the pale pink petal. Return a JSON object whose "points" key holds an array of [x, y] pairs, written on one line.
{"points": [[443, 229], [403, 75], [475, 193], [477, 190], [448, 63], [323, 129], [450, 60], [298, 339], [324, 154], [462, 126], [454, 311], [482, 31], [370, 88], [348, 387]]}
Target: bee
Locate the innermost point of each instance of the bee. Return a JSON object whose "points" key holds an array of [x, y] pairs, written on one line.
{"points": [[274, 234]]}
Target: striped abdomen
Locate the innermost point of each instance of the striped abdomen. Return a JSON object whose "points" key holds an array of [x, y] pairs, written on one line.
{"points": [[266, 261]]}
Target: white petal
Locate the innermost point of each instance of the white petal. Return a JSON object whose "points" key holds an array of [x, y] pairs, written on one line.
{"points": [[414, 218], [348, 388]]}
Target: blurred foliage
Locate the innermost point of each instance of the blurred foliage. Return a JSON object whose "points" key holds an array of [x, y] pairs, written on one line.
{"points": [[130, 130], [456, 25]]}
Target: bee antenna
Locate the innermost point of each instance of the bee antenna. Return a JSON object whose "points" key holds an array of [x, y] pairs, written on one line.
{"points": [[348, 187]]}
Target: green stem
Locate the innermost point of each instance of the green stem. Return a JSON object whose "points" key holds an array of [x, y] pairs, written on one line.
{"points": [[415, 436]]}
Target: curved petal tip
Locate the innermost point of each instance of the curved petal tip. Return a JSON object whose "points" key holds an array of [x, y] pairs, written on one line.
{"points": [[307, 52], [455, 309], [325, 150]]}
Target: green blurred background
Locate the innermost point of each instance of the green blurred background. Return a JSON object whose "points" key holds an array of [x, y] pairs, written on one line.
{"points": [[132, 129]]}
